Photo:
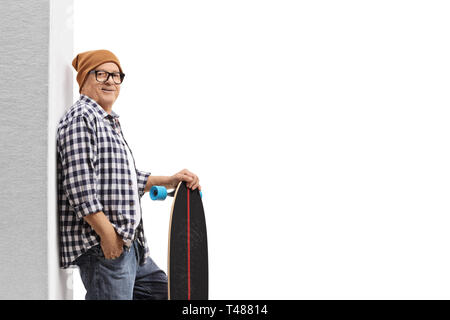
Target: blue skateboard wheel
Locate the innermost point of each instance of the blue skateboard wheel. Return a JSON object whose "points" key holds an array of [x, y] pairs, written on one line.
{"points": [[158, 193]]}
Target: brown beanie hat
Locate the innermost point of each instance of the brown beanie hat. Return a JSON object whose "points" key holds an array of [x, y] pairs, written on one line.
{"points": [[89, 60]]}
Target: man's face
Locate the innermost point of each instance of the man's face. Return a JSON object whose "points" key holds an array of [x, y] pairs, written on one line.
{"points": [[105, 94]]}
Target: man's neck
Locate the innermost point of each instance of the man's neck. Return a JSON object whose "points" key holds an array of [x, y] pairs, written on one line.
{"points": [[107, 108]]}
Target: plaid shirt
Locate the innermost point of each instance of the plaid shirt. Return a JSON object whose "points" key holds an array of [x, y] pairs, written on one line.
{"points": [[94, 175]]}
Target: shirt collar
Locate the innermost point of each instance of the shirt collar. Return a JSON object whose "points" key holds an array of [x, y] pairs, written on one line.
{"points": [[98, 108]]}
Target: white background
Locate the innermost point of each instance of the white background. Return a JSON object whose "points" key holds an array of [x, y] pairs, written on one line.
{"points": [[319, 130]]}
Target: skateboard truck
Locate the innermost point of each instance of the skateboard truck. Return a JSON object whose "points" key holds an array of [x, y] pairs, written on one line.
{"points": [[160, 193]]}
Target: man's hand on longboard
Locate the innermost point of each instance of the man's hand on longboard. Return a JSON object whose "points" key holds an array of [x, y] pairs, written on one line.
{"points": [[171, 182], [191, 179]]}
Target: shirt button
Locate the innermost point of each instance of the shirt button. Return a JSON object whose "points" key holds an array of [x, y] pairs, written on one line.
{"points": [[130, 183], [131, 203]]}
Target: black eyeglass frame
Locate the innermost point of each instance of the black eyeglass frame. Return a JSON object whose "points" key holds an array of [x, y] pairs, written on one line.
{"points": [[110, 74]]}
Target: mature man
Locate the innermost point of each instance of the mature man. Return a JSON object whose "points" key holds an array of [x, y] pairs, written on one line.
{"points": [[99, 190]]}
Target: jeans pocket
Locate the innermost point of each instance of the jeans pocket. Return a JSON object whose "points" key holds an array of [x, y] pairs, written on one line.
{"points": [[96, 251]]}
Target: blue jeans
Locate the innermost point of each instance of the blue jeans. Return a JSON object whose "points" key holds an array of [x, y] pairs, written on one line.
{"points": [[121, 278]]}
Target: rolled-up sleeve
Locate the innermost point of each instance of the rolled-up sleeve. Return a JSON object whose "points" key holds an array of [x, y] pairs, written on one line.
{"points": [[142, 177], [77, 148]]}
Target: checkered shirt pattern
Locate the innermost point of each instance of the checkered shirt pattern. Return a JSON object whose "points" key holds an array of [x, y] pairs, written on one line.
{"points": [[94, 175]]}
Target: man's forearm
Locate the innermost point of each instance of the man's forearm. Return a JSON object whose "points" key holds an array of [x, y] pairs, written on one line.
{"points": [[110, 241], [157, 181], [100, 223], [172, 181]]}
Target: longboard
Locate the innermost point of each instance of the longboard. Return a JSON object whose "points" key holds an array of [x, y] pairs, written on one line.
{"points": [[187, 259]]}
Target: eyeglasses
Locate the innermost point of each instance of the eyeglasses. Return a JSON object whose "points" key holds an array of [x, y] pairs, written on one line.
{"points": [[103, 76]]}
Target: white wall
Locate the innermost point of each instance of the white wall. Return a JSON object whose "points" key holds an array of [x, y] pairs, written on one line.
{"points": [[60, 99], [319, 130]]}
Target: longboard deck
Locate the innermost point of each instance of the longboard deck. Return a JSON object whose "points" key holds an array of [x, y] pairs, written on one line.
{"points": [[188, 248]]}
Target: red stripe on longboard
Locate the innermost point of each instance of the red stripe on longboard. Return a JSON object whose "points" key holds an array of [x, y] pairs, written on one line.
{"points": [[188, 247]]}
